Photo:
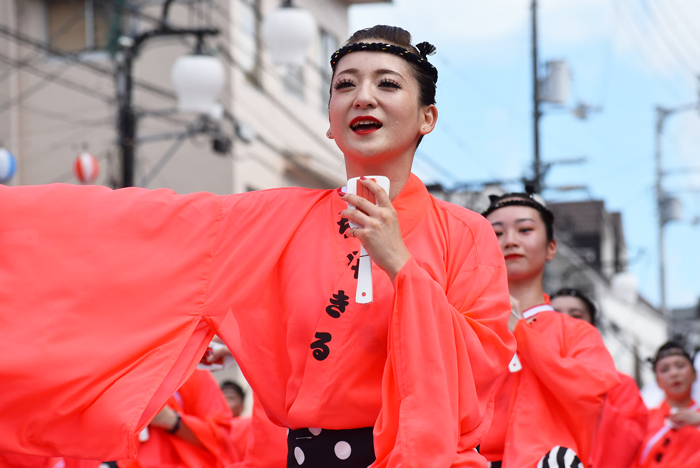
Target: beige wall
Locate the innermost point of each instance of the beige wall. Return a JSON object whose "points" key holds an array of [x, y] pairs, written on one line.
{"points": [[53, 123]]}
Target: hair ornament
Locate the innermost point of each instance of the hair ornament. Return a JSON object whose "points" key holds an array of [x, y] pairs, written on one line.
{"points": [[420, 60], [425, 49]]}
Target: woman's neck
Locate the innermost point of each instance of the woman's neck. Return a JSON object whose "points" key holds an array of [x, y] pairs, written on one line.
{"points": [[528, 292], [682, 402], [398, 173]]}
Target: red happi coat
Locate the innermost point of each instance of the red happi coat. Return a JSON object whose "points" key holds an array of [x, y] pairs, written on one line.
{"points": [[140, 280], [203, 409], [666, 446], [556, 398], [622, 428]]}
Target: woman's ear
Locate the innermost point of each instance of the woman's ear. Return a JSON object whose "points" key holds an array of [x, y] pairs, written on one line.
{"points": [[429, 119], [551, 250]]}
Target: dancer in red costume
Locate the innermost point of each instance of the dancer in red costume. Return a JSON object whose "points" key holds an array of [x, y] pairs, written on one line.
{"points": [[624, 422], [548, 405], [193, 430], [110, 297], [673, 434]]}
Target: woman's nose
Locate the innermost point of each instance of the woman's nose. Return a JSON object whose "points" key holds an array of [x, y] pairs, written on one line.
{"points": [[365, 96]]}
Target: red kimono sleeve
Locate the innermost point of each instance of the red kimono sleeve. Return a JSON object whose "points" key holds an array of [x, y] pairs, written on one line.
{"points": [[207, 415], [101, 294], [447, 346], [577, 378], [623, 426]]}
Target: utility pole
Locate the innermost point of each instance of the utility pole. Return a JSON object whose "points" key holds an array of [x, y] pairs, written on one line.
{"points": [[536, 168], [662, 199], [128, 51]]}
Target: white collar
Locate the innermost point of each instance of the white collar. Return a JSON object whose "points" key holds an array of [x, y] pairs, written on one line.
{"points": [[532, 311]]}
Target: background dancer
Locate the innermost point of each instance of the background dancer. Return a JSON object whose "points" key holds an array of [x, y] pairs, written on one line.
{"points": [[548, 406], [624, 422], [673, 434], [140, 281]]}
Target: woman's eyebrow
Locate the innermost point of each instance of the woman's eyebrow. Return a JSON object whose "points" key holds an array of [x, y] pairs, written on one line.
{"points": [[521, 220], [386, 71]]}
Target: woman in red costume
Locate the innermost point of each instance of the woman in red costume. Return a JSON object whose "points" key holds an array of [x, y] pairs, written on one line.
{"points": [[624, 421], [673, 434], [548, 406], [110, 297]]}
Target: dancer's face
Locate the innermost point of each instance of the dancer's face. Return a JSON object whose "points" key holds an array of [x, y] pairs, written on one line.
{"points": [[522, 235], [374, 109], [572, 306], [675, 376]]}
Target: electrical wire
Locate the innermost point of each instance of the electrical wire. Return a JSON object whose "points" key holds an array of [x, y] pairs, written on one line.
{"points": [[669, 43]]}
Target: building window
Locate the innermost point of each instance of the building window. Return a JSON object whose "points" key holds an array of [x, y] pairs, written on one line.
{"points": [[249, 39], [294, 81], [329, 44], [78, 25]]}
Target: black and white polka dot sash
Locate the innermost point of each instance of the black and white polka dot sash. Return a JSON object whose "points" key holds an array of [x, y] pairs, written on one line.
{"points": [[328, 448]]}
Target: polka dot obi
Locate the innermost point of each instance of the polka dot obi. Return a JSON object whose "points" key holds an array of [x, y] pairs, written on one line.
{"points": [[329, 448]]}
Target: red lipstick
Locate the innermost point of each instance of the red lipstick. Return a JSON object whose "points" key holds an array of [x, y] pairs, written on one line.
{"points": [[365, 125]]}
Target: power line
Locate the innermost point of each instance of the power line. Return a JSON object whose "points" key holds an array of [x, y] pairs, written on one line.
{"points": [[670, 44]]}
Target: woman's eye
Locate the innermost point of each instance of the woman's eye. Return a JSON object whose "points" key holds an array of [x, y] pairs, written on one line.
{"points": [[499, 234], [387, 83], [524, 230], [343, 84]]}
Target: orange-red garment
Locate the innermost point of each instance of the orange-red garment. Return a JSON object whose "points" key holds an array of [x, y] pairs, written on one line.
{"points": [[266, 446], [240, 433], [623, 426], [16, 460], [557, 396], [666, 446], [204, 411], [140, 280]]}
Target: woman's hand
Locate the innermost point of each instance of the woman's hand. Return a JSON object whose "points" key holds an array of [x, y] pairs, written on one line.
{"points": [[685, 417], [381, 233], [515, 314], [165, 419]]}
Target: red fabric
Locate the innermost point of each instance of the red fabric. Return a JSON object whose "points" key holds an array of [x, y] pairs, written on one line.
{"points": [[676, 448], [556, 399], [266, 446], [204, 410], [15, 460], [622, 428], [140, 280]]}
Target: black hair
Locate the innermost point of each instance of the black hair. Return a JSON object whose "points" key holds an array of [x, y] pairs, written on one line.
{"points": [[670, 348], [529, 199], [592, 310], [235, 387]]}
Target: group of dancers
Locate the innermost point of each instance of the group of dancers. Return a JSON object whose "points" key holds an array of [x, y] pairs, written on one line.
{"points": [[110, 298]]}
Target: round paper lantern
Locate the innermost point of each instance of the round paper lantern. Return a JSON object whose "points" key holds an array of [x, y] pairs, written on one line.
{"points": [[198, 80], [8, 165], [287, 33], [86, 168]]}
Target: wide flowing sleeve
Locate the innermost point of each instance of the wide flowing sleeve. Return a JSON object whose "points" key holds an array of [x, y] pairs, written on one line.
{"points": [[447, 346], [577, 378], [210, 419], [101, 296]]}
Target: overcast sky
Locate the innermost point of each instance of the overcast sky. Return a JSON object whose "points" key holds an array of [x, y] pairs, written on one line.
{"points": [[626, 56]]}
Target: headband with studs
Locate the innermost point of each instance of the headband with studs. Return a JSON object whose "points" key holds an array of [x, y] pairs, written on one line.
{"points": [[529, 199], [421, 59]]}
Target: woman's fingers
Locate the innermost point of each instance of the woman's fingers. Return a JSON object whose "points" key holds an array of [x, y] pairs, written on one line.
{"points": [[382, 197], [361, 204]]}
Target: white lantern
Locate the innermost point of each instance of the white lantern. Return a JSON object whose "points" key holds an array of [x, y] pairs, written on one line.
{"points": [[287, 33], [198, 80], [8, 165], [555, 88], [86, 168]]}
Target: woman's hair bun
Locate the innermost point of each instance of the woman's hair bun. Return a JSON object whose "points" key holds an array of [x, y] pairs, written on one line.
{"points": [[425, 49]]}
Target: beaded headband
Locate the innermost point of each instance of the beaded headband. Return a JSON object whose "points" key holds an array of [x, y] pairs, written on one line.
{"points": [[674, 350], [421, 60], [520, 199]]}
